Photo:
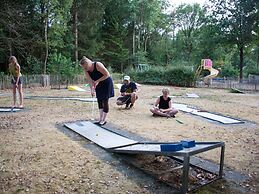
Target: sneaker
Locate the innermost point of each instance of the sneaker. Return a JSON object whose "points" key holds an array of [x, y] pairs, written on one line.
{"points": [[131, 105], [102, 123], [97, 123], [127, 106]]}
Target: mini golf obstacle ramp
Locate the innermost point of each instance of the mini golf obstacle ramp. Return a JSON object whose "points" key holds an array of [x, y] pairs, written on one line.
{"points": [[117, 143], [207, 115], [10, 109], [76, 88]]}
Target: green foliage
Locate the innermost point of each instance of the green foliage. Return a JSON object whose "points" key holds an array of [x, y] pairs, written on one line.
{"points": [[178, 76], [59, 64], [251, 69], [139, 32], [189, 20], [228, 71], [114, 33], [90, 20], [140, 58], [236, 20], [33, 65], [2, 74]]}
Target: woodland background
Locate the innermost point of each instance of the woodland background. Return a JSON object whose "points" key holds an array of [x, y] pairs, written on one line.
{"points": [[50, 36]]}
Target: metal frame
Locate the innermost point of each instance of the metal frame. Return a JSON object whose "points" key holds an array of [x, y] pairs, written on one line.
{"points": [[186, 158], [154, 149]]}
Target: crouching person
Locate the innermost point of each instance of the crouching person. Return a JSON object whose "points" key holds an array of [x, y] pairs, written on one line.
{"points": [[163, 106], [128, 93]]}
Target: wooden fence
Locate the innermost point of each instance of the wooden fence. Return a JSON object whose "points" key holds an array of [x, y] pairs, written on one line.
{"points": [[62, 81], [53, 81], [246, 85]]}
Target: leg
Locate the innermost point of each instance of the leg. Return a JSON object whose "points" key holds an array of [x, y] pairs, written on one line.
{"points": [[119, 102], [14, 95], [133, 98], [156, 111], [122, 100], [105, 111], [173, 112], [100, 106], [20, 95]]}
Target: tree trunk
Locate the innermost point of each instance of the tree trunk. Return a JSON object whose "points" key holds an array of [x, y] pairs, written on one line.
{"points": [[145, 43], [76, 31], [46, 43], [9, 40], [10, 45], [45, 18], [133, 42], [257, 61], [241, 64]]}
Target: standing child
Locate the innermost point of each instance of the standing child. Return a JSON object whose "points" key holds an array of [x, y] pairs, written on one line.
{"points": [[163, 106], [15, 71]]}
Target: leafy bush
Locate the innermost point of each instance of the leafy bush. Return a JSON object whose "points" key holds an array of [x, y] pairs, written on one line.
{"points": [[252, 71], [59, 64], [228, 71], [2, 74], [179, 76], [34, 65], [250, 68]]}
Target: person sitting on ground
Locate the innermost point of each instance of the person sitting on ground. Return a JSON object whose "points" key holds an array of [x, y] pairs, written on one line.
{"points": [[128, 93], [163, 106]]}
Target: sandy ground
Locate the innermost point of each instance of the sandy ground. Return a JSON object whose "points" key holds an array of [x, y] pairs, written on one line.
{"points": [[36, 157]]}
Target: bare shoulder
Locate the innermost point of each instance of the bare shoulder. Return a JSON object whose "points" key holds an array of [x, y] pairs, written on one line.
{"points": [[99, 65]]}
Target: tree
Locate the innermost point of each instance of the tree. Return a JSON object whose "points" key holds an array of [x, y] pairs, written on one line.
{"points": [[189, 18], [90, 14], [114, 34], [146, 16], [17, 26], [236, 19], [75, 28]]}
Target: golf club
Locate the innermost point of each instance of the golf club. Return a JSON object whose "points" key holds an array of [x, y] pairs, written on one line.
{"points": [[93, 109]]}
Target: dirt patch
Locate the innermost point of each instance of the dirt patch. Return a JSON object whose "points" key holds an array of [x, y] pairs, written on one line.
{"points": [[36, 157]]}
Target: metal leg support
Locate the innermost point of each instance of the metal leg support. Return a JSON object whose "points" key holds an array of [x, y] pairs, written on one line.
{"points": [[185, 175], [221, 161]]}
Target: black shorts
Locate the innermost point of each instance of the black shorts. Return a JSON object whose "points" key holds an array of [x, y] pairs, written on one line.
{"points": [[13, 81], [125, 99]]}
